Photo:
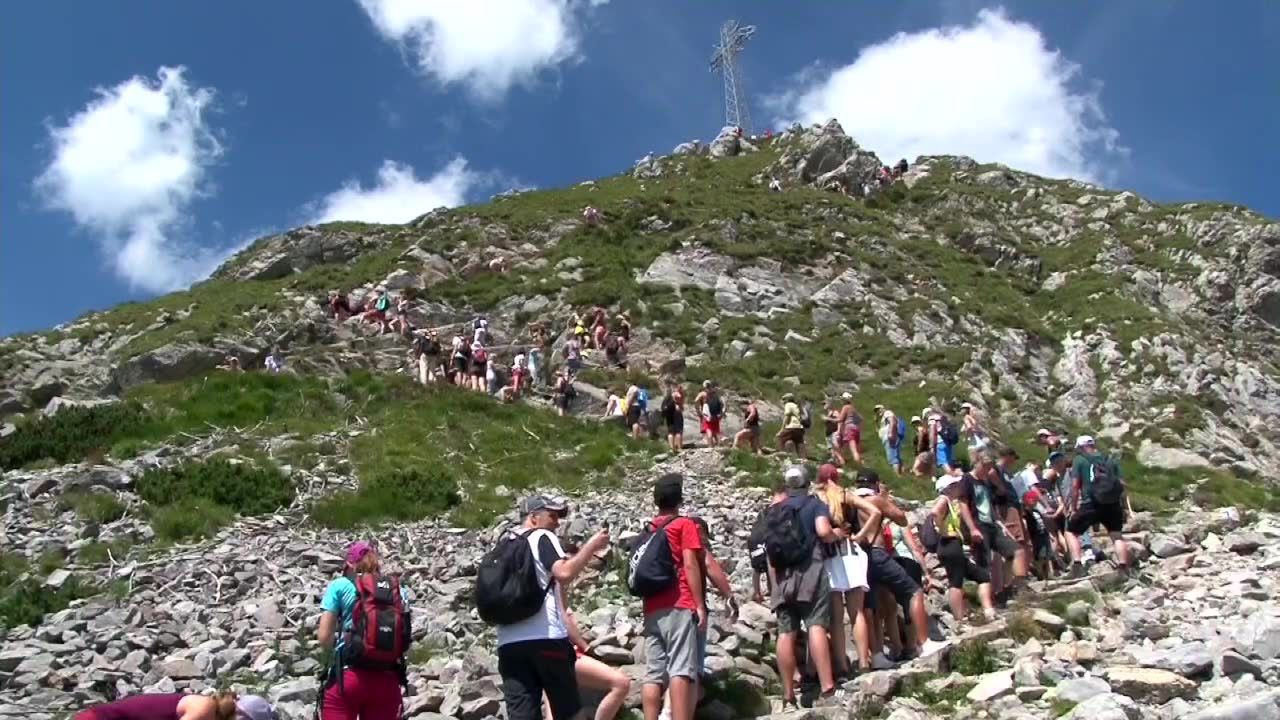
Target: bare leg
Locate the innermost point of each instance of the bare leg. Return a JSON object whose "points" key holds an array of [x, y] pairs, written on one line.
{"points": [[1122, 549], [596, 675], [683, 698], [786, 668], [820, 651], [839, 658], [651, 700], [956, 597]]}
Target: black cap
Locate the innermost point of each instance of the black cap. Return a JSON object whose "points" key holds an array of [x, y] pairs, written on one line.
{"points": [[538, 503], [868, 478]]}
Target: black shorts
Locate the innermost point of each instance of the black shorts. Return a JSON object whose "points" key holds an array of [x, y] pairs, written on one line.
{"points": [[914, 571], [994, 541], [532, 667], [459, 363], [958, 566], [1110, 517], [633, 416], [562, 401], [884, 571], [477, 369], [675, 425], [792, 435]]}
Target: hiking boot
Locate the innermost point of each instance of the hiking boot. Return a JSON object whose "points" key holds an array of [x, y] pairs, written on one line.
{"points": [[933, 647], [880, 661], [990, 614], [1077, 571], [790, 705]]}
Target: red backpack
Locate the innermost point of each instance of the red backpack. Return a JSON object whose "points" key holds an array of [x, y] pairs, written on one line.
{"points": [[380, 630]]}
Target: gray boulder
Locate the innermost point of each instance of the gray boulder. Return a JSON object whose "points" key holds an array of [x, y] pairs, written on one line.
{"points": [[176, 361]]}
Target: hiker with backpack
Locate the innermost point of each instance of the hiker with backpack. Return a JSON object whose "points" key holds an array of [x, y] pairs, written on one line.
{"points": [[637, 404], [710, 409], [1010, 508], [479, 366], [893, 434], [666, 570], [795, 530], [613, 351], [749, 435], [520, 590], [563, 392], [793, 426], [923, 448], [377, 310], [849, 423], [365, 618], [943, 437], [846, 566], [943, 534], [756, 552], [992, 546], [673, 416], [461, 360], [1097, 498]]}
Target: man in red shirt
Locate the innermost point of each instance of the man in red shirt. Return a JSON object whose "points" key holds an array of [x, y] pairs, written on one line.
{"points": [[674, 618]]}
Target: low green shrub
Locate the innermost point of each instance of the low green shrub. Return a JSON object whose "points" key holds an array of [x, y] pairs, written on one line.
{"points": [[409, 494], [71, 434], [975, 657], [239, 487], [98, 507], [99, 553], [189, 519], [23, 598]]}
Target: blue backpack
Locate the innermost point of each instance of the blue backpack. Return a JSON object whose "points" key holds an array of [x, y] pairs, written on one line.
{"points": [[902, 431], [642, 399]]}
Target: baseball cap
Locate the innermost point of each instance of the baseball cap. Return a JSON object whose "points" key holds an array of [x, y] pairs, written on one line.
{"points": [[788, 396], [966, 405], [538, 503], [846, 395], [254, 707], [945, 482], [1056, 455], [1042, 432], [1084, 441], [828, 472], [868, 477], [795, 477], [915, 419], [357, 550]]}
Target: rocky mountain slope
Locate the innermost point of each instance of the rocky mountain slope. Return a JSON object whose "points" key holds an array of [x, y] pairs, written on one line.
{"points": [[200, 511]]}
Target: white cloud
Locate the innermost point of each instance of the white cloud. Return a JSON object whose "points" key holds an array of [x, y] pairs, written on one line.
{"points": [[993, 90], [487, 46], [398, 196], [128, 166]]}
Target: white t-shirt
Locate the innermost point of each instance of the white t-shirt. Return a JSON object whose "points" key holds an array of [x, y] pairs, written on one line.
{"points": [[549, 623]]}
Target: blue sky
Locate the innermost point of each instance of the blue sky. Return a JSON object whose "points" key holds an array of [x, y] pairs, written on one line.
{"points": [[143, 141]]}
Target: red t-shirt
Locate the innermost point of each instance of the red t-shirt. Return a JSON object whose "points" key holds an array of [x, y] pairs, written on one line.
{"points": [[682, 534]]}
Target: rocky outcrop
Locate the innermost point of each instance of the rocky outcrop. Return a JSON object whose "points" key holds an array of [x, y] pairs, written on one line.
{"points": [[281, 255], [177, 361]]}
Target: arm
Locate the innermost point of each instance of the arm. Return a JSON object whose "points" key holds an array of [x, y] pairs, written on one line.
{"points": [[567, 568], [718, 578], [918, 551], [693, 573], [891, 511], [571, 625], [966, 516], [872, 513], [327, 630]]}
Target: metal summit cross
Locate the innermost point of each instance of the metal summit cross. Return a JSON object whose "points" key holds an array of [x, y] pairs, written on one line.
{"points": [[733, 38]]}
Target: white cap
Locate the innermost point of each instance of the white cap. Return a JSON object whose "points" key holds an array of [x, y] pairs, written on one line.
{"points": [[966, 405], [1084, 441], [945, 482], [915, 419], [1042, 432], [846, 395]]}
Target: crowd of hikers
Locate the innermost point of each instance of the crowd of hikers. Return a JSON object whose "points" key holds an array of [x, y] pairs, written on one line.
{"points": [[842, 565]]}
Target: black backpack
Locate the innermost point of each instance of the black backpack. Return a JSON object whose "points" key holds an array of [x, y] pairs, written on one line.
{"points": [[949, 434], [786, 543], [806, 416], [756, 545], [1105, 487], [507, 587], [668, 407], [651, 568], [929, 536]]}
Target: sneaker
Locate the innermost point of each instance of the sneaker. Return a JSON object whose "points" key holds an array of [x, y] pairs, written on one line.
{"points": [[933, 647], [790, 705], [832, 698], [880, 661], [665, 714], [989, 614]]}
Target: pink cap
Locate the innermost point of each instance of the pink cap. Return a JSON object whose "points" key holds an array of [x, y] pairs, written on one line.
{"points": [[357, 550]]}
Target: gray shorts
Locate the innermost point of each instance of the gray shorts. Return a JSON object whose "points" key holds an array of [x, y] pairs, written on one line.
{"points": [[671, 646], [811, 615]]}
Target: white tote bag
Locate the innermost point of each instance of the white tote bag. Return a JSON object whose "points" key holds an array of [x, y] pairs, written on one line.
{"points": [[847, 570]]}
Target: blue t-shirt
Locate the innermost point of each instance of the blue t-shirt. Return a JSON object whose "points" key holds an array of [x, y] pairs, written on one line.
{"points": [[811, 508], [340, 599]]}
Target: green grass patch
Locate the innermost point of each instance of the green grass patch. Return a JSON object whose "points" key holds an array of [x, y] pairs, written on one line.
{"points": [[97, 507], [1022, 626], [23, 598], [746, 699], [1058, 604], [1060, 707], [195, 499], [975, 657], [70, 435], [401, 495], [189, 520], [101, 553], [917, 686]]}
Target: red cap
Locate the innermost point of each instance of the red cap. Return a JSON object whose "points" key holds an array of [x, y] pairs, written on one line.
{"points": [[828, 472]]}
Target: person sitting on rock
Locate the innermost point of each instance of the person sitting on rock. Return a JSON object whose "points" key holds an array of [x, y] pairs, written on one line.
{"points": [[182, 706], [949, 515], [590, 215], [339, 306], [749, 435], [275, 360], [615, 407], [351, 690], [231, 363], [498, 265], [775, 186], [593, 675]]}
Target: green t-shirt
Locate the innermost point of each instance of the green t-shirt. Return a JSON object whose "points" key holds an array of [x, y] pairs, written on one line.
{"points": [[1082, 467]]}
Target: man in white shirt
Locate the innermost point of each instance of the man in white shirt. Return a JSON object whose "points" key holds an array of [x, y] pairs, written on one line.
{"points": [[535, 655]]}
